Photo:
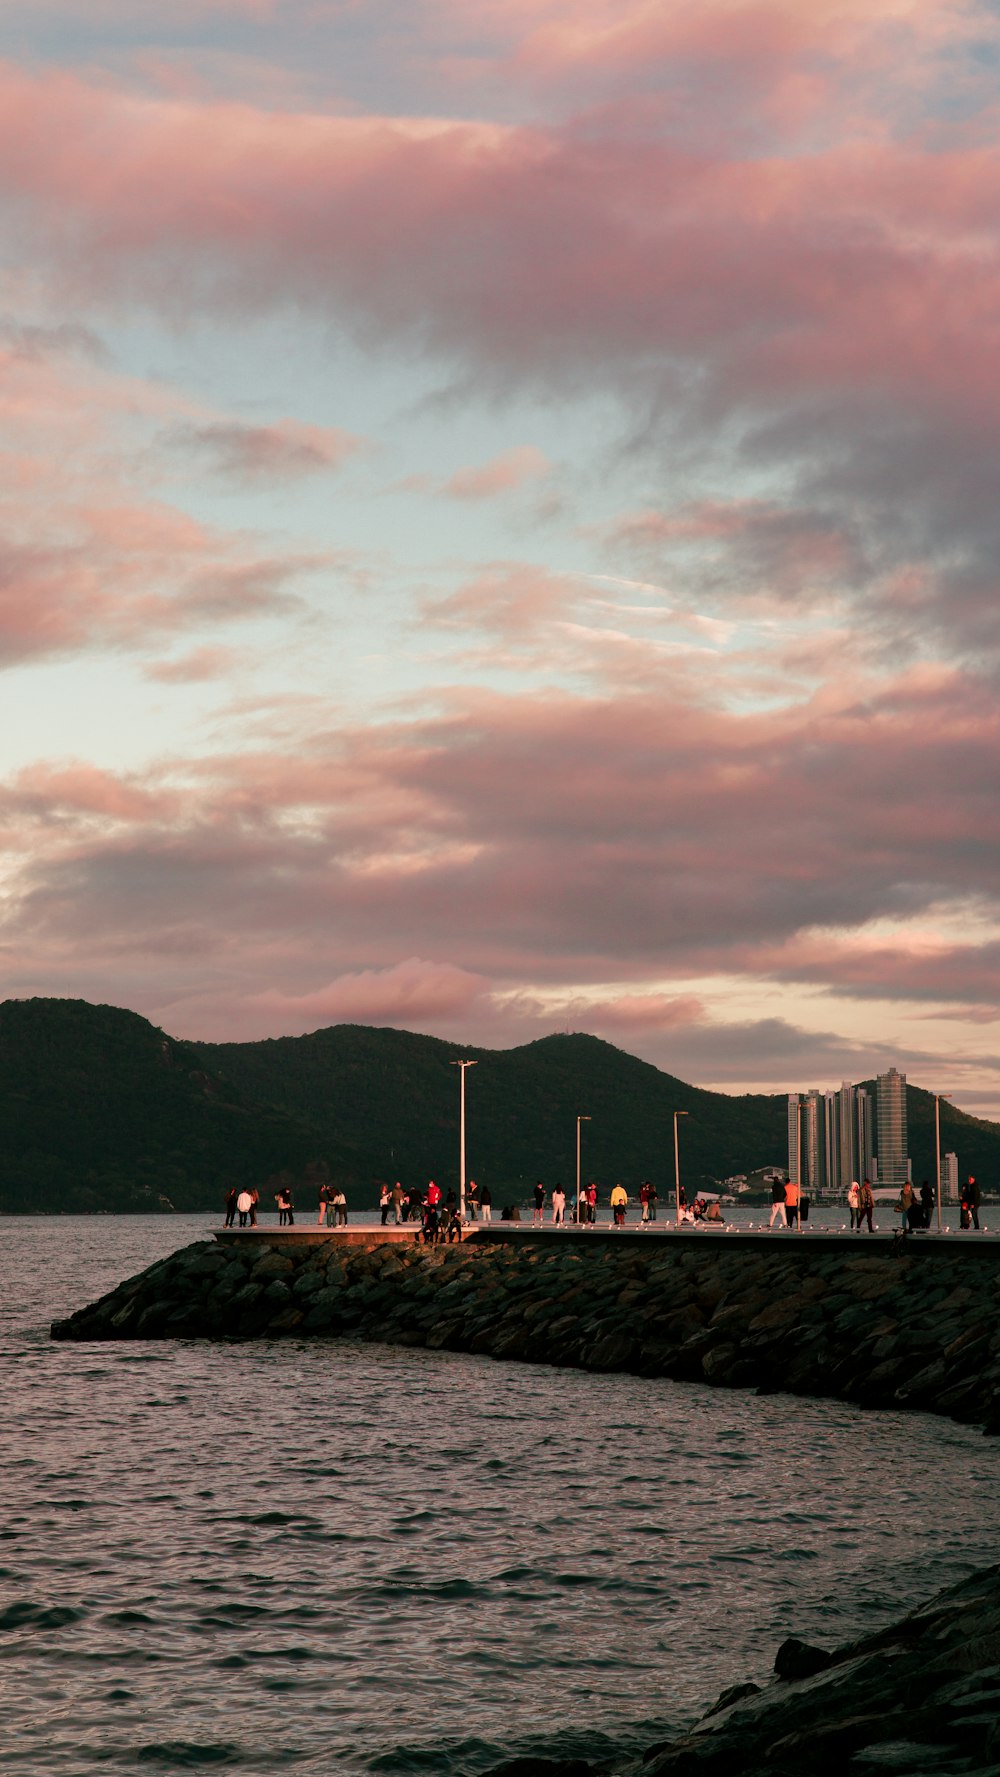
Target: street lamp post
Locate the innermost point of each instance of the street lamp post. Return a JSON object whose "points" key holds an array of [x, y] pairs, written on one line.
{"points": [[677, 1167], [798, 1163], [461, 1138], [937, 1148], [579, 1120]]}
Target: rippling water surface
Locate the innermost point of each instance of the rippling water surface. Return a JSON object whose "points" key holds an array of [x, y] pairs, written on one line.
{"points": [[333, 1558]]}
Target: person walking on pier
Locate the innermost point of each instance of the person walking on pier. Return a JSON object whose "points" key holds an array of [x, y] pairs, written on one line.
{"points": [[397, 1202], [486, 1203], [471, 1199], [558, 1206], [793, 1196], [971, 1199], [866, 1205], [778, 1204]]}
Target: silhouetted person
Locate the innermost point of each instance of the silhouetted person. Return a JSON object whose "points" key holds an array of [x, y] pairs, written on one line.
{"points": [[231, 1197], [866, 1206]]}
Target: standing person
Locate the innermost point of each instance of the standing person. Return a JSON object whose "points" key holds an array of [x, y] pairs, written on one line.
{"points": [[971, 1199], [792, 1196], [912, 1214], [244, 1204], [254, 1200], [619, 1204], [558, 1206], [324, 1204], [652, 1199], [866, 1205], [283, 1198], [450, 1200], [926, 1201], [432, 1196], [644, 1201], [778, 1188], [339, 1203], [385, 1203], [397, 1202], [853, 1200], [539, 1200], [231, 1197], [472, 1199], [486, 1202], [591, 1204]]}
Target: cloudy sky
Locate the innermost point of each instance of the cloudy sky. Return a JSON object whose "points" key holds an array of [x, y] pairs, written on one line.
{"points": [[500, 518]]}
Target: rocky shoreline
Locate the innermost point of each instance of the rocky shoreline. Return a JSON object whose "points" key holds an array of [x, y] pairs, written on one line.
{"points": [[920, 1698], [881, 1327]]}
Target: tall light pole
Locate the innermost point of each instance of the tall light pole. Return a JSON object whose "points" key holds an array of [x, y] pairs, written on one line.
{"points": [[677, 1167], [579, 1120], [461, 1138], [937, 1148], [798, 1162]]}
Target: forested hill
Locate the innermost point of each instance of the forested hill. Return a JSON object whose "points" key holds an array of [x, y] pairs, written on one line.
{"points": [[101, 1110]]}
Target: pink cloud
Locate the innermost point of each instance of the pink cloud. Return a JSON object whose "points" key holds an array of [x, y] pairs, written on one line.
{"points": [[411, 993], [507, 599], [636, 1012], [704, 255], [281, 451], [510, 469], [191, 668]]}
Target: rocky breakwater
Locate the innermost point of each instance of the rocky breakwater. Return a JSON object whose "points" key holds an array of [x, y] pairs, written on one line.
{"points": [[922, 1696], [882, 1326]]}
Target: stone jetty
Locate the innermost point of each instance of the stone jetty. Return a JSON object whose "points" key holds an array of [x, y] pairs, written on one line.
{"points": [[920, 1698], [882, 1324]]}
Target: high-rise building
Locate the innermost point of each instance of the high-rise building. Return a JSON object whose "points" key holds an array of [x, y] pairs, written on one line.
{"points": [[847, 1140], [864, 1136], [794, 1126], [893, 1169], [831, 1140], [949, 1178], [814, 1176]]}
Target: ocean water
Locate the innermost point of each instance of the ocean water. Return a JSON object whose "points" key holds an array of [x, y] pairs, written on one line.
{"points": [[321, 1557]]}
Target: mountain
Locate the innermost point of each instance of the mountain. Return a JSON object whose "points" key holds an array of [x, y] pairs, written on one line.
{"points": [[396, 1096], [101, 1110]]}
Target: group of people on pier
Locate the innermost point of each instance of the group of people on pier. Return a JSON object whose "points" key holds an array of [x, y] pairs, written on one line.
{"points": [[439, 1216]]}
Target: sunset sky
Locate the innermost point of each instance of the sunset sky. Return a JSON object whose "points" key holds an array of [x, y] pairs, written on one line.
{"points": [[501, 524]]}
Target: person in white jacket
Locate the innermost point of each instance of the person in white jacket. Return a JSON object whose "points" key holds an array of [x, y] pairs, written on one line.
{"points": [[853, 1203]]}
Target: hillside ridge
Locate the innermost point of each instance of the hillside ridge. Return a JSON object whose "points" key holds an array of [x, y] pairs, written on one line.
{"points": [[101, 1109]]}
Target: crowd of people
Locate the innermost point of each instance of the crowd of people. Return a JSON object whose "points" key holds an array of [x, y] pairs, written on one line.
{"points": [[439, 1217]]}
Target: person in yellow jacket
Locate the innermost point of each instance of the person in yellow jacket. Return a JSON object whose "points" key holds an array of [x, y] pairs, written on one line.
{"points": [[619, 1204]]}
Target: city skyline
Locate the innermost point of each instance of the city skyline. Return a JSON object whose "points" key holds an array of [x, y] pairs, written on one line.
{"points": [[832, 1140], [498, 525]]}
